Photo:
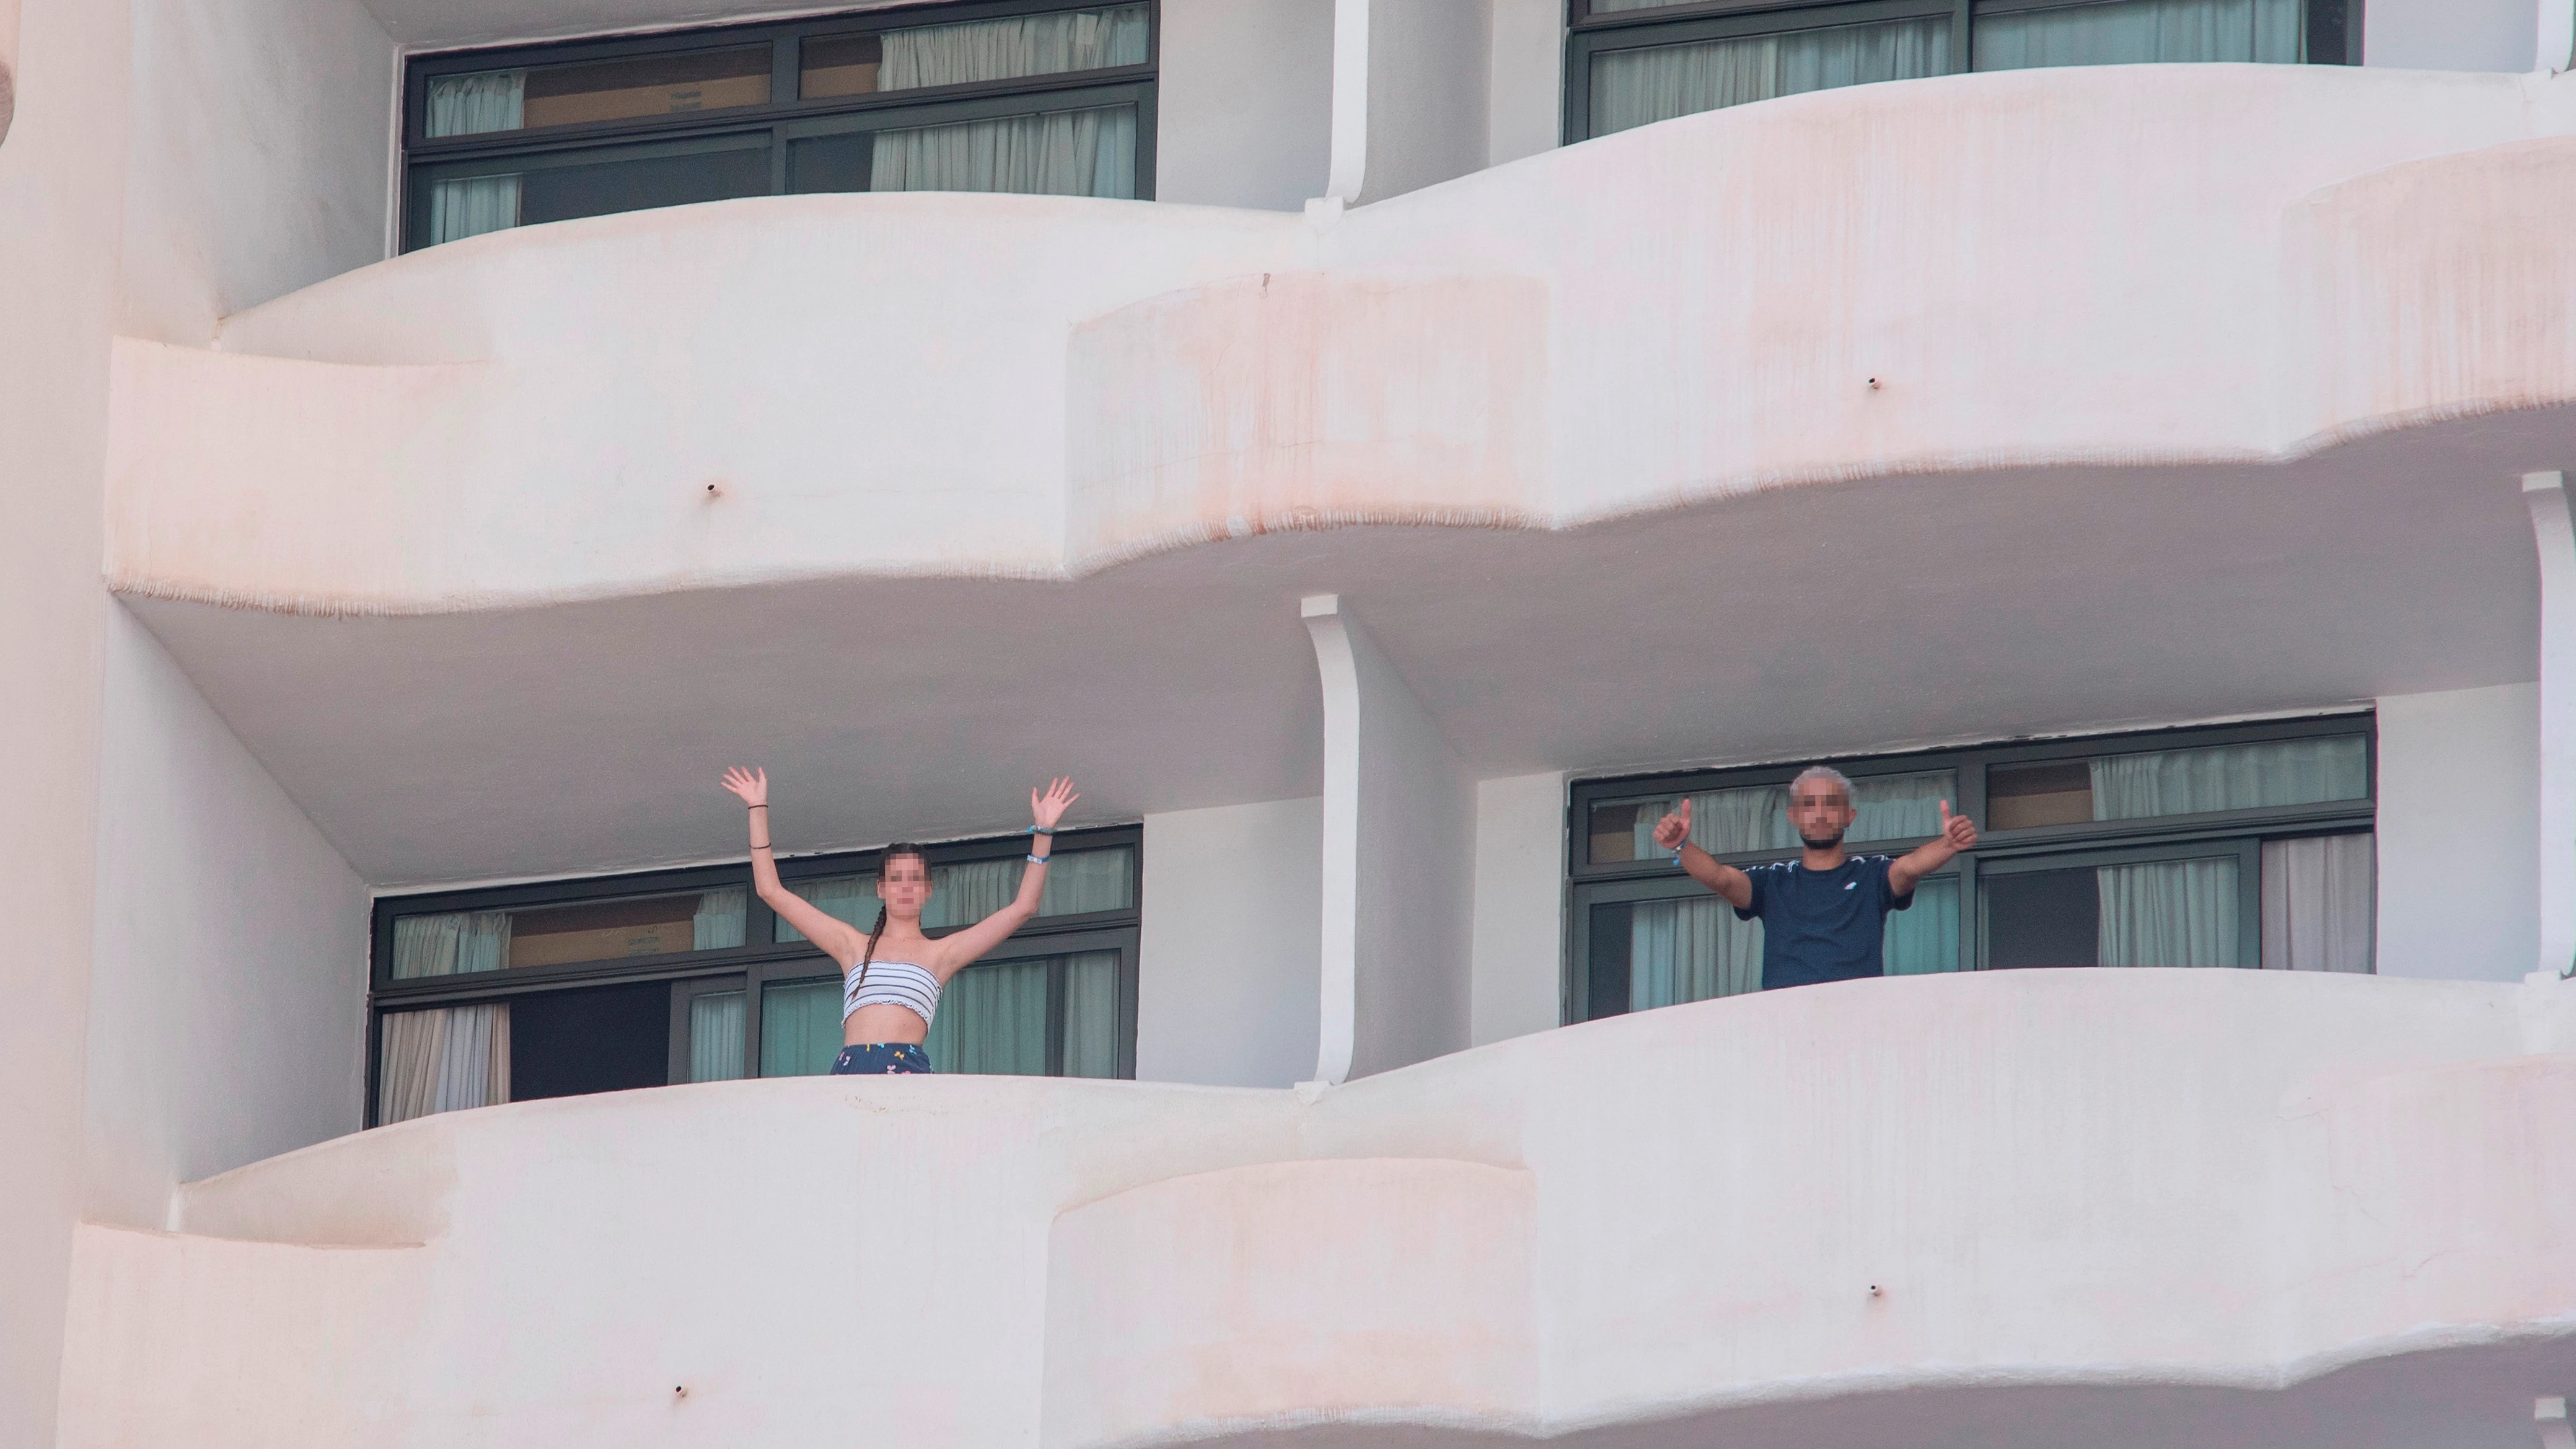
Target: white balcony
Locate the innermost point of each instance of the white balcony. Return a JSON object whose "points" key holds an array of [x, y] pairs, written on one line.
{"points": [[2146, 1207]]}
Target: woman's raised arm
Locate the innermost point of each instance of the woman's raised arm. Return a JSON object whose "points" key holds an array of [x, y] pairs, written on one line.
{"points": [[962, 947], [837, 938]]}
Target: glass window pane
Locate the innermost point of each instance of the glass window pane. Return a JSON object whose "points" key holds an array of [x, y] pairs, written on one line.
{"points": [[2157, 913], [442, 1060], [594, 1039], [2138, 31], [472, 105], [842, 65], [1690, 949], [466, 941], [992, 50], [1754, 819], [1090, 1015], [715, 1036], [1089, 152], [2320, 903], [1657, 82], [830, 163], [800, 1028], [471, 198], [2230, 777], [2020, 797], [1924, 938], [964, 892], [993, 1021]]}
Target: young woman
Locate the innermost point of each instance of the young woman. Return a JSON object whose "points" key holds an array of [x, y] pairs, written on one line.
{"points": [[891, 977]]}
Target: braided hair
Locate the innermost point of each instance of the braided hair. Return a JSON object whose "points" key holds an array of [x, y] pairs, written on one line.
{"points": [[894, 852]]}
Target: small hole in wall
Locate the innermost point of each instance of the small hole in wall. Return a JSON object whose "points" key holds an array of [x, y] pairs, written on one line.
{"points": [[1873, 384]]}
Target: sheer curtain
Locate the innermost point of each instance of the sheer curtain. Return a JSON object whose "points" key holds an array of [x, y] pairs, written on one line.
{"points": [[2167, 913], [1061, 153], [2138, 31], [2230, 777], [1756, 817], [850, 898], [2319, 911], [1690, 949], [1077, 881], [455, 944], [993, 1021], [1090, 1015], [1658, 82], [469, 105], [715, 1036], [989, 50], [800, 1028], [442, 1060], [1923, 939], [718, 922]]}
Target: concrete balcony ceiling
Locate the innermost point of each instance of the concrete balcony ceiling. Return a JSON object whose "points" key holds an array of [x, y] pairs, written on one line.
{"points": [[2124, 1208], [1944, 409]]}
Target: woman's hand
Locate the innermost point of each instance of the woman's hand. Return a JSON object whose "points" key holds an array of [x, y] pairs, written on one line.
{"points": [[751, 785], [1050, 807]]}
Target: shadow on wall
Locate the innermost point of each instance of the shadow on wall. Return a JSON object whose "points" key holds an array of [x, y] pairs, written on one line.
{"points": [[8, 64]]}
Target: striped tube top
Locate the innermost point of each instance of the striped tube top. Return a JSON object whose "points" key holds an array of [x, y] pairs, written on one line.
{"points": [[892, 983]]}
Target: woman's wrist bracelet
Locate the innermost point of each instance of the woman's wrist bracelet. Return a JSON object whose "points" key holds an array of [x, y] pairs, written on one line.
{"points": [[1041, 830], [1037, 860]]}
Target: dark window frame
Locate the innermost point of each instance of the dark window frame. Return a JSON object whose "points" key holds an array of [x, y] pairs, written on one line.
{"points": [[776, 121], [1998, 851], [760, 960], [2333, 31]]}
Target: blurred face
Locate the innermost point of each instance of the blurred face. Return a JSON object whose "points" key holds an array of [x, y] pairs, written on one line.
{"points": [[904, 885], [1820, 813]]}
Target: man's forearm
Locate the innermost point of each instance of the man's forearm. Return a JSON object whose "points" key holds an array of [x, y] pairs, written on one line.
{"points": [[1919, 862], [1728, 882]]}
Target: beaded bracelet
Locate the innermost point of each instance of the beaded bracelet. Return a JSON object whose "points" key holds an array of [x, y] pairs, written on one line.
{"points": [[1041, 830], [1037, 860]]}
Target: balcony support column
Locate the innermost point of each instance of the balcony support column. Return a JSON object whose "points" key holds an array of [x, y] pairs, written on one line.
{"points": [[2555, 534], [1399, 857]]}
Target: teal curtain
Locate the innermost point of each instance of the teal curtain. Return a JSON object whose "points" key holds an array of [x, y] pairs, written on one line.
{"points": [[2167, 913], [2138, 31], [1090, 1015], [1756, 817], [454, 944], [1077, 881], [1658, 82], [993, 1021], [717, 924], [1924, 938], [1088, 152], [850, 898], [800, 1028], [1690, 949], [2231, 777], [1023, 45], [715, 1036]]}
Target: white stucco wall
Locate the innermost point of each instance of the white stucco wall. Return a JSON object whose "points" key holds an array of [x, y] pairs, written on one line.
{"points": [[1524, 79], [1243, 102], [228, 997], [60, 188], [1519, 946], [2449, 34], [259, 159], [1426, 92], [2459, 815], [1226, 965]]}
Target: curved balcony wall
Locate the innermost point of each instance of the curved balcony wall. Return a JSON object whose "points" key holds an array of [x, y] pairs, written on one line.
{"points": [[2263, 1196], [2160, 265]]}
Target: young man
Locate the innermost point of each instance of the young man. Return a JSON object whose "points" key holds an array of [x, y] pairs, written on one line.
{"points": [[1824, 914]]}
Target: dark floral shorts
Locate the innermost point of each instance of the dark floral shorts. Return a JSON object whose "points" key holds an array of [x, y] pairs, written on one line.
{"points": [[881, 1058]]}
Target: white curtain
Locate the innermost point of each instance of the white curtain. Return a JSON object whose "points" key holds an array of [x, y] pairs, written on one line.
{"points": [[1090, 1015], [2230, 777], [1756, 818], [2318, 903], [990, 50], [715, 1036], [472, 105], [1077, 881], [1924, 938], [455, 944], [441, 1060], [800, 1028], [1690, 949], [2167, 913], [993, 1021], [718, 922], [2137, 31], [1062, 153], [1658, 82]]}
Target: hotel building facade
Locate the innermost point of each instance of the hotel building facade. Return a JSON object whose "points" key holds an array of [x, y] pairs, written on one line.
{"points": [[1387, 452]]}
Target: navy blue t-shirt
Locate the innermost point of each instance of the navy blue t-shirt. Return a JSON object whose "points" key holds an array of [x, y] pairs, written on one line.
{"points": [[1822, 925]]}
